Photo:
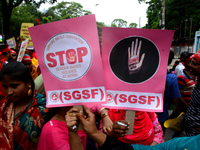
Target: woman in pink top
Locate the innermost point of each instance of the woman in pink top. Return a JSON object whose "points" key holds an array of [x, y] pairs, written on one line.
{"points": [[54, 134]]}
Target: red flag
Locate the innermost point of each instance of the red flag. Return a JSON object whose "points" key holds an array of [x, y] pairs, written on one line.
{"points": [[38, 21]]}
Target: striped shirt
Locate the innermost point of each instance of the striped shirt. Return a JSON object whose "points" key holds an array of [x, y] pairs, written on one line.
{"points": [[192, 117], [185, 83]]}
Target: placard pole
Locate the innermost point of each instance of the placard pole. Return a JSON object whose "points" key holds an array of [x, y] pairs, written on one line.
{"points": [[130, 116]]}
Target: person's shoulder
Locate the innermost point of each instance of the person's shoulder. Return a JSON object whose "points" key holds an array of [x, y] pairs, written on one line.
{"points": [[171, 79], [181, 76], [50, 130], [177, 67], [40, 96], [34, 68], [53, 126], [41, 99], [171, 75]]}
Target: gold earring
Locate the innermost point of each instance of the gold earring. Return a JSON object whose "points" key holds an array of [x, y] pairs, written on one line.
{"points": [[29, 90]]}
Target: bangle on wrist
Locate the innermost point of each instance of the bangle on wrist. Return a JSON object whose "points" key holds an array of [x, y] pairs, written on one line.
{"points": [[104, 115], [102, 109]]}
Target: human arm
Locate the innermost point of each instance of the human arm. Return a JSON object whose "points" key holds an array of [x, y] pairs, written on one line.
{"points": [[89, 125], [109, 143], [175, 100], [180, 143], [72, 122], [17, 44], [104, 142], [182, 84], [119, 130], [173, 144], [184, 104], [114, 144], [106, 121], [158, 133]]}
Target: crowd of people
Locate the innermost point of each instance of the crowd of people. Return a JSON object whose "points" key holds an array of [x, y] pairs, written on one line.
{"points": [[26, 123]]}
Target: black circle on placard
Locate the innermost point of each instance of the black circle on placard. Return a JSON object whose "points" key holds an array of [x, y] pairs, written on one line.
{"points": [[118, 60]]}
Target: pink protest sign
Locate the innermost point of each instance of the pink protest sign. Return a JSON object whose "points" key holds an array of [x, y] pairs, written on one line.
{"points": [[69, 57], [135, 67]]}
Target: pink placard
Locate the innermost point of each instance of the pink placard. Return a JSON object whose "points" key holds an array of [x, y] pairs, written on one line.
{"points": [[69, 57], [135, 67]]}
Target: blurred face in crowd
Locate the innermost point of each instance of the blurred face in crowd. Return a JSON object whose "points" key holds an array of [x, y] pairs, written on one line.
{"points": [[29, 53], [15, 89], [9, 56], [14, 57], [29, 65], [195, 67]]}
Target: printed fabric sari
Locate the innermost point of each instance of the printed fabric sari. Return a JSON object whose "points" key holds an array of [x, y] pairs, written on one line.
{"points": [[21, 131]]}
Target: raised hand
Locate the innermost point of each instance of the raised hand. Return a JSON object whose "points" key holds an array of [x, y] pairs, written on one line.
{"points": [[89, 126], [71, 57], [134, 64], [119, 128], [88, 121], [71, 119]]}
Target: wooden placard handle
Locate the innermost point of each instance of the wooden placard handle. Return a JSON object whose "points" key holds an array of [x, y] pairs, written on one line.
{"points": [[80, 127], [130, 116]]}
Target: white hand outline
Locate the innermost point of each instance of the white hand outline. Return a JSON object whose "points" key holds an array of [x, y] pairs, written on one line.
{"points": [[134, 64], [72, 57]]}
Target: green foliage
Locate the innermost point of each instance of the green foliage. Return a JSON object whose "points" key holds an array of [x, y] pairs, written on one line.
{"points": [[7, 7], [181, 13], [66, 10], [133, 25], [47, 19], [99, 28], [0, 11], [141, 1], [153, 14], [1, 20], [119, 23], [29, 12], [24, 13]]}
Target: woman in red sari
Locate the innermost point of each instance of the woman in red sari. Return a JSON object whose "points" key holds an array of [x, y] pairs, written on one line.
{"points": [[22, 111], [146, 131]]}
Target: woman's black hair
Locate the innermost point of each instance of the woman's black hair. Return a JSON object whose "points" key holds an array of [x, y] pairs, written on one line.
{"points": [[52, 111], [171, 57], [3, 47], [17, 71]]}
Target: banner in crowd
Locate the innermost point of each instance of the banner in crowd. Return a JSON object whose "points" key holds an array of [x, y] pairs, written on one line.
{"points": [[196, 42], [11, 42], [1, 38], [22, 50], [24, 34], [69, 56], [135, 67]]}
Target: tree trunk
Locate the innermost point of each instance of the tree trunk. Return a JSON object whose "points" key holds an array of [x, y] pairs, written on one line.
{"points": [[6, 26], [6, 13]]}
